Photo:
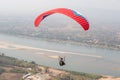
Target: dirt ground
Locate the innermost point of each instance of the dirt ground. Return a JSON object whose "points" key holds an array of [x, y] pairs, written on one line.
{"points": [[109, 78], [11, 76]]}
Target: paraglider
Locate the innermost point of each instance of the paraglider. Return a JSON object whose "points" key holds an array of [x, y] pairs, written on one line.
{"points": [[61, 61], [68, 12]]}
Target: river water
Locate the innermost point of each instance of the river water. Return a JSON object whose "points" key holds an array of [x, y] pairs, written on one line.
{"points": [[77, 58]]}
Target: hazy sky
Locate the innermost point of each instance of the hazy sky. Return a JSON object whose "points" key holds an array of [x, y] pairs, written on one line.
{"points": [[37, 5], [110, 9]]}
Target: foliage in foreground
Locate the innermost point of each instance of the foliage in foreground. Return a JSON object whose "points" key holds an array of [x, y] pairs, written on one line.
{"points": [[21, 66], [5, 60], [1, 70]]}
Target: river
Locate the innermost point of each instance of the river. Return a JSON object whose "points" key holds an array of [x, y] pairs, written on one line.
{"points": [[78, 58]]}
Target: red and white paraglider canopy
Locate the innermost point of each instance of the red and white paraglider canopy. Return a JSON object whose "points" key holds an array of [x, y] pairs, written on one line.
{"points": [[68, 12]]}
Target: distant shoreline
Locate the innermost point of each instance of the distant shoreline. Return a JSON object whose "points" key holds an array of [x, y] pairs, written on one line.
{"points": [[66, 42], [82, 44], [12, 46]]}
